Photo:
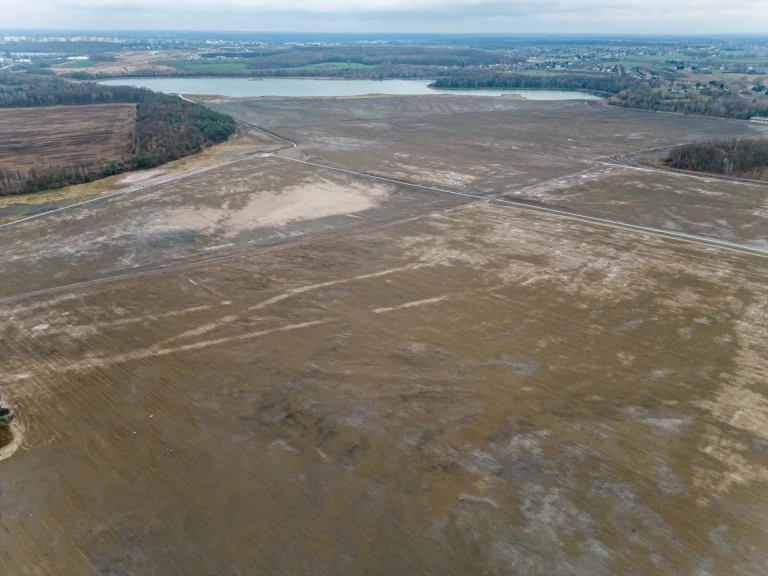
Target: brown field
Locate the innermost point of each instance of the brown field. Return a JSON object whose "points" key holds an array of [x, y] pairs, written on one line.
{"points": [[243, 143], [703, 205], [131, 62], [276, 368], [65, 135]]}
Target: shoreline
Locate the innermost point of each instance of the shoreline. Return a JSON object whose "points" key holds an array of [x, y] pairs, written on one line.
{"points": [[584, 90]]}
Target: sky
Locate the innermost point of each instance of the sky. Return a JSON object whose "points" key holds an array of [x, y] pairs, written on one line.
{"points": [[418, 16]]}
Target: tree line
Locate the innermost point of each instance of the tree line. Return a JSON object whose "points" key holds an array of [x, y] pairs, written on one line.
{"points": [[360, 73], [58, 47], [23, 90], [721, 103], [626, 92], [746, 158], [167, 128], [607, 83], [379, 72], [371, 55]]}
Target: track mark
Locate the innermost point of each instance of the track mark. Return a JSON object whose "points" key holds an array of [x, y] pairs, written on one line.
{"points": [[410, 304], [155, 353], [302, 289]]}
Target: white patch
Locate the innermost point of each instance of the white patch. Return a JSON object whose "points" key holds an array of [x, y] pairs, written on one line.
{"points": [[410, 304], [218, 247]]}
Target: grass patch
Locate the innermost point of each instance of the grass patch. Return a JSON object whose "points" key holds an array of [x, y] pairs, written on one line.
{"points": [[332, 66], [75, 64], [240, 65], [206, 65]]}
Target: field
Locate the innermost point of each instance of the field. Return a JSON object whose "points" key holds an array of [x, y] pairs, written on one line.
{"points": [[276, 367], [76, 64], [241, 65], [65, 135], [207, 65], [333, 65], [128, 63]]}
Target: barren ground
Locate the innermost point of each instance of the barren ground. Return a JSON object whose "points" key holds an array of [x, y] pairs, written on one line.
{"points": [[274, 368], [65, 135], [131, 62], [245, 142]]}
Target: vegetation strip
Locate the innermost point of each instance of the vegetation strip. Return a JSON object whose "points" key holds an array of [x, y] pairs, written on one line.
{"points": [[746, 158]]}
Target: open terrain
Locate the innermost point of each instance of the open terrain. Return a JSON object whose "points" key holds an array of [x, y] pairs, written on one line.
{"points": [[53, 150], [65, 135], [277, 367], [127, 62], [481, 144], [245, 142]]}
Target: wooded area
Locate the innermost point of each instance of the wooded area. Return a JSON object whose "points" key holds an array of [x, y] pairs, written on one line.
{"points": [[371, 56], [723, 104], [626, 92], [167, 128], [744, 158], [609, 83]]}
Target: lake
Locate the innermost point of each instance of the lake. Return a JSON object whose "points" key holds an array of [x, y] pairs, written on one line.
{"points": [[243, 87]]}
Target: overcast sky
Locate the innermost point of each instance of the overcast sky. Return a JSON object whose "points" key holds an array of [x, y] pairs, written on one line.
{"points": [[493, 16]]}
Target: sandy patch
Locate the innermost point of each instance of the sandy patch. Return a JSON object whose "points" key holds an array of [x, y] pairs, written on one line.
{"points": [[306, 201], [741, 401], [137, 177], [437, 177]]}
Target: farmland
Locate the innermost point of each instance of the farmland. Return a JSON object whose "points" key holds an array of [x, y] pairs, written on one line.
{"points": [[205, 66], [334, 65], [75, 64], [127, 62], [211, 66], [278, 367], [147, 129], [66, 135]]}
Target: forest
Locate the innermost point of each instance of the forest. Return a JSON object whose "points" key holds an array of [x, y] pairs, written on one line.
{"points": [[708, 102], [382, 72], [606, 83], [167, 128], [369, 55], [746, 158]]}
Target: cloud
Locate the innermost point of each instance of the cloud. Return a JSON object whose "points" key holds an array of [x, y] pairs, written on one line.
{"points": [[496, 16], [485, 7], [296, 6]]}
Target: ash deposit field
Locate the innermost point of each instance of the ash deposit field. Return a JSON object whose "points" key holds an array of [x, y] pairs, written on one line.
{"points": [[431, 335]]}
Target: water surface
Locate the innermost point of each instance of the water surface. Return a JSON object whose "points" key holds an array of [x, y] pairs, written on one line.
{"points": [[243, 87]]}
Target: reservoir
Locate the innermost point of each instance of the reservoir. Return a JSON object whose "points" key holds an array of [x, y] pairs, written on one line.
{"points": [[293, 87]]}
